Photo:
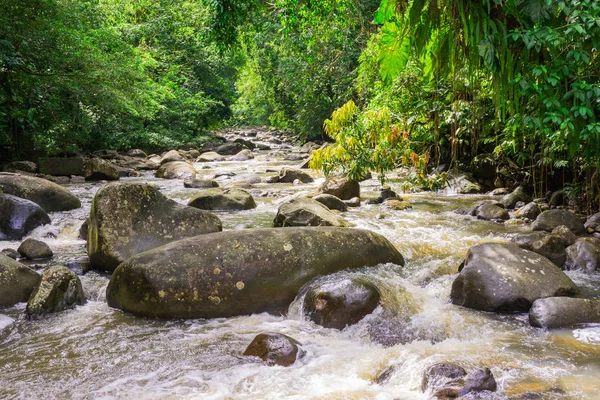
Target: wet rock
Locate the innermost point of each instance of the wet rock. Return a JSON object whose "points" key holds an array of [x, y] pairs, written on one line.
{"points": [[129, 218], [489, 210], [246, 143], [19, 216], [550, 219], [480, 380], [50, 196], [559, 312], [223, 199], [392, 204], [197, 183], [61, 166], [592, 224], [438, 374], [272, 179], [12, 253], [275, 349], [339, 304], [230, 149], [59, 289], [530, 211], [510, 200], [171, 156], [97, 169], [342, 187], [83, 230], [239, 272], [106, 154], [465, 185], [176, 170], [584, 254], [210, 156], [353, 202], [25, 166], [295, 157], [243, 155], [306, 212], [387, 193], [565, 234], [136, 153], [505, 278], [499, 192], [331, 202], [248, 178], [526, 240], [17, 281], [35, 249], [552, 247], [289, 175]]}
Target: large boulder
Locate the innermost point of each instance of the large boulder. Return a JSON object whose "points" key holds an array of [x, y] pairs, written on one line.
{"points": [[340, 303], [526, 240], [558, 312], [129, 218], [17, 281], [60, 289], [33, 249], [505, 278], [289, 175], [305, 212], [510, 200], [331, 202], [223, 199], [19, 216], [97, 169], [275, 349], [48, 195], [176, 170], [490, 210], [171, 156], [342, 187], [61, 166], [550, 219], [553, 248], [239, 272], [584, 254], [530, 211]]}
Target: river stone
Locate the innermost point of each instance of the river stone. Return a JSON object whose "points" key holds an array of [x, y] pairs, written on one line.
{"points": [[584, 254], [246, 143], [223, 199], [480, 380], [25, 166], [19, 216], [308, 147], [176, 170], [342, 187], [510, 200], [526, 240], [275, 349], [289, 175], [48, 195], [97, 169], [504, 278], [136, 153], [531, 210], [353, 202], [243, 155], [552, 247], [197, 183], [488, 210], [210, 156], [230, 149], [35, 249], [393, 204], [129, 218], [59, 289], [550, 219], [593, 223], [565, 234], [339, 304], [239, 272], [559, 312], [305, 212], [438, 374], [12, 253], [170, 156], [17, 281], [331, 202]]}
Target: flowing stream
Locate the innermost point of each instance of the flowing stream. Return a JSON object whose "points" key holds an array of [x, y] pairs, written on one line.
{"points": [[95, 352]]}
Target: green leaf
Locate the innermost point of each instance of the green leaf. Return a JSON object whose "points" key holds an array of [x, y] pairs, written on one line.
{"points": [[386, 12], [394, 51], [487, 51], [415, 11]]}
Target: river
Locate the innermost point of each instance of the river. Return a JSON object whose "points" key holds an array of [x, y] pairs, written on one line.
{"points": [[95, 352]]}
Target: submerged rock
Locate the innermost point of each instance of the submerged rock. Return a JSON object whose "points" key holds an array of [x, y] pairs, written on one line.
{"points": [[275, 349], [35, 249], [584, 254], [19, 216], [480, 380], [239, 272], [504, 278], [60, 289], [341, 187], [438, 374], [550, 219], [223, 199], [305, 212], [48, 195], [339, 304], [176, 170], [129, 218], [17, 281], [558, 312]]}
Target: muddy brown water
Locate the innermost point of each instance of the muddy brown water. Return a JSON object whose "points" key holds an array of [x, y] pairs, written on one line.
{"points": [[95, 352]]}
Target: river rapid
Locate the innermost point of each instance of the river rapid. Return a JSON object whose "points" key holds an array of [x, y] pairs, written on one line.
{"points": [[95, 352]]}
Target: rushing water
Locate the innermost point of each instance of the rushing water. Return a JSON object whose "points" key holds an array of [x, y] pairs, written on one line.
{"points": [[95, 352]]}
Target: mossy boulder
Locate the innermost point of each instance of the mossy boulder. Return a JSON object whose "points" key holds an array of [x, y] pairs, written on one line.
{"points": [[48, 195], [129, 218], [17, 281], [223, 199], [19, 216], [239, 272], [505, 278], [176, 170], [550, 219], [305, 212], [59, 289]]}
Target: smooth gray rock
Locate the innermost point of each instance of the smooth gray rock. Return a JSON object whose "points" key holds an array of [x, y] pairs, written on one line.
{"points": [[565, 234], [59, 289], [210, 156], [488, 210], [553, 248], [438, 374], [584, 254], [331, 202], [530, 211], [17, 281], [19, 216], [275, 349], [48, 195], [306, 212], [510, 200], [341, 187], [505, 278], [289, 175], [176, 170], [197, 183], [97, 169], [35, 249], [559, 312], [171, 156], [550, 219], [243, 155], [223, 199]]}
